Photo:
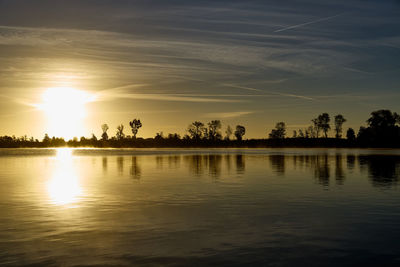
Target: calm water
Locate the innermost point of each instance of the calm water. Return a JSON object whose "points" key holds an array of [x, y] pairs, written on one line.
{"points": [[289, 207]]}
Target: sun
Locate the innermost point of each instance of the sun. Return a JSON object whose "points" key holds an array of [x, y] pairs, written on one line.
{"points": [[65, 109]]}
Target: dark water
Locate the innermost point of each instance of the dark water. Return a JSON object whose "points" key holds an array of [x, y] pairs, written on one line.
{"points": [[200, 207]]}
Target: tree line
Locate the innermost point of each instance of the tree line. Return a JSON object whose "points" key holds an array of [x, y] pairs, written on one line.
{"points": [[382, 130]]}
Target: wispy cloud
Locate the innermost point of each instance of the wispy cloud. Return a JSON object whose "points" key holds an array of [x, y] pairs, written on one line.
{"points": [[228, 115], [108, 95], [356, 70]]}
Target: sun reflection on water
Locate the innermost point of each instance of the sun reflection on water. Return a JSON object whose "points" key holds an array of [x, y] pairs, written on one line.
{"points": [[64, 187]]}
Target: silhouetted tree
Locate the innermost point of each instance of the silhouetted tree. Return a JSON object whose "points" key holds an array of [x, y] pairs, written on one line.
{"points": [[174, 136], [240, 131], [228, 132], [159, 136], [120, 132], [307, 132], [213, 130], [350, 135], [382, 130], [135, 125], [316, 128], [104, 128], [312, 132], [294, 134], [339, 120], [279, 132], [301, 134], [383, 119], [323, 123], [361, 132], [196, 130], [46, 139]]}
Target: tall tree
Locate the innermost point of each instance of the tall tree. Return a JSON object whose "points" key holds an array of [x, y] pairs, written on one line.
{"points": [[104, 128], [135, 125], [240, 131], [196, 130], [120, 132], [228, 132], [323, 123], [279, 132], [339, 120], [316, 129], [213, 130]]}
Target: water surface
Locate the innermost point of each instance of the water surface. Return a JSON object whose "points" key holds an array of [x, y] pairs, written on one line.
{"points": [[287, 207]]}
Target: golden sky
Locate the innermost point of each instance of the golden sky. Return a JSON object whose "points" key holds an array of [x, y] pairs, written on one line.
{"points": [[252, 63]]}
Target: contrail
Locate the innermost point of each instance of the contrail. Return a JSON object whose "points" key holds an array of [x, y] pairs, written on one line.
{"points": [[271, 92], [307, 23]]}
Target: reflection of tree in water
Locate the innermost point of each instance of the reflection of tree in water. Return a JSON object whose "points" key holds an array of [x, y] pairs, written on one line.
{"points": [[214, 165], [174, 161], [320, 164], [302, 161], [383, 169], [294, 161], [339, 172], [240, 164], [160, 162], [105, 164], [227, 158], [278, 163], [196, 164], [120, 165], [200, 164], [351, 161], [135, 170]]}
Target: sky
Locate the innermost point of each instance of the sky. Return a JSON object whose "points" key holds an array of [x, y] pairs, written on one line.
{"points": [[169, 63]]}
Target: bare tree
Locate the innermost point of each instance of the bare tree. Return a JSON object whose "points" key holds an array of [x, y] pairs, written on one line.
{"points": [[316, 128], [312, 133], [120, 132], [135, 125], [196, 130]]}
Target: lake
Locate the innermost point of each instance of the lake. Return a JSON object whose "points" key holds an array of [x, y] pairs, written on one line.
{"points": [[269, 207]]}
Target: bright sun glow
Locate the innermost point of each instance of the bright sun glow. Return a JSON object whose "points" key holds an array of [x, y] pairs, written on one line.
{"points": [[64, 187], [65, 110]]}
